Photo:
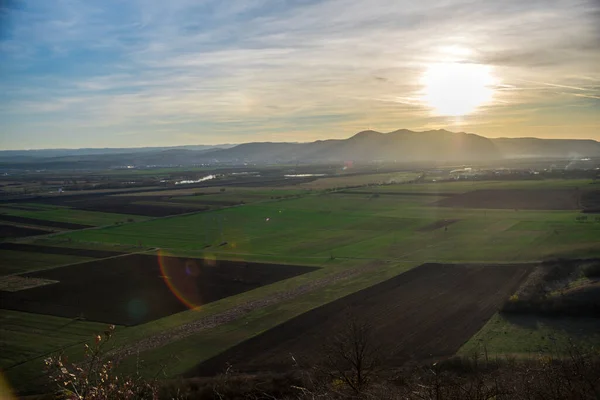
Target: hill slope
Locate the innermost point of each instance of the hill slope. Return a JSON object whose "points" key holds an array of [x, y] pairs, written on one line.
{"points": [[403, 145], [548, 148]]}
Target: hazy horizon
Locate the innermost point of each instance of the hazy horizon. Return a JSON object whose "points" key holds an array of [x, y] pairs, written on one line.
{"points": [[154, 74], [266, 141]]}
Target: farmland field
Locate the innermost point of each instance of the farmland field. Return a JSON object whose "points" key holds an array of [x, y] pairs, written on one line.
{"points": [[537, 199], [35, 248], [260, 261], [42, 222], [407, 314], [15, 261], [139, 288], [24, 336], [14, 231], [354, 225], [526, 334], [68, 218]]}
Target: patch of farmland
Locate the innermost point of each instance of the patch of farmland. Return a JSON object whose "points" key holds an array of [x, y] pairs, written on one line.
{"points": [[36, 206], [12, 231], [34, 248], [111, 209], [442, 223], [520, 199], [533, 334], [24, 336], [359, 180], [7, 208], [15, 283], [425, 313], [76, 217], [217, 190], [172, 192], [590, 201], [12, 262], [61, 241], [138, 288], [203, 201], [394, 193], [240, 197], [175, 204], [459, 186], [126, 205], [377, 223], [235, 225], [42, 222]]}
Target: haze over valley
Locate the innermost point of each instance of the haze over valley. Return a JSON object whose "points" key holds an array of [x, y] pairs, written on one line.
{"points": [[400, 146]]}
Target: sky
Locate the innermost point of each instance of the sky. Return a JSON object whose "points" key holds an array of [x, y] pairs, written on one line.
{"points": [[132, 73]]}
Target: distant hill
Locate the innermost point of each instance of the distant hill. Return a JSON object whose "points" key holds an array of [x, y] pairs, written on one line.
{"points": [[23, 155], [409, 146], [547, 148], [439, 146], [402, 145]]}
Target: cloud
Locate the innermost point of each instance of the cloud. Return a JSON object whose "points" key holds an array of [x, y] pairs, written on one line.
{"points": [[241, 68]]}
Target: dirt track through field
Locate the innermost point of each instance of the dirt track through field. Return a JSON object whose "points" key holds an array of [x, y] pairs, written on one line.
{"points": [[235, 313], [424, 314]]}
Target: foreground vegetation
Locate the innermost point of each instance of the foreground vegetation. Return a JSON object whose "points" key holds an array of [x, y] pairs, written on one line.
{"points": [[350, 367]]}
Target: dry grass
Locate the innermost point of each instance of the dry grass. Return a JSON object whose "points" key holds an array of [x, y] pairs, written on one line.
{"points": [[15, 283]]}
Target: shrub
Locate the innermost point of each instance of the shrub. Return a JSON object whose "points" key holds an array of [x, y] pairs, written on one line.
{"points": [[94, 377], [543, 292], [566, 373], [351, 357]]}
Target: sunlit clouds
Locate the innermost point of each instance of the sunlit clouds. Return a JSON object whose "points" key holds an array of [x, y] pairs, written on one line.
{"points": [[149, 72]]}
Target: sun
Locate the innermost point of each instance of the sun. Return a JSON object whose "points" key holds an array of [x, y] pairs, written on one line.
{"points": [[456, 89]]}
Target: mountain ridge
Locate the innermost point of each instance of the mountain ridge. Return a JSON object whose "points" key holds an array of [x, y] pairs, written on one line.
{"points": [[401, 145]]}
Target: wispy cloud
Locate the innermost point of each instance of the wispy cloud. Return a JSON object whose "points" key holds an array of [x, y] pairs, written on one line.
{"points": [[210, 71]]}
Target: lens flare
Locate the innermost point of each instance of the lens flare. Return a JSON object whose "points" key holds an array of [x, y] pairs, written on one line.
{"points": [[181, 277], [6, 392], [137, 309]]}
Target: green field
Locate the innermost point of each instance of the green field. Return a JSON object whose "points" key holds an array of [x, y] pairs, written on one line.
{"points": [[60, 241], [12, 262], [245, 196], [467, 186], [531, 335], [338, 231], [355, 225], [25, 336], [177, 357], [83, 217]]}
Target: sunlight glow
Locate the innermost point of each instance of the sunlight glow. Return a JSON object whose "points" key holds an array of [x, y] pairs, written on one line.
{"points": [[456, 51], [455, 89]]}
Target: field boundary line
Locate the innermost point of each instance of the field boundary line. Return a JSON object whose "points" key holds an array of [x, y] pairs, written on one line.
{"points": [[91, 259], [212, 321]]}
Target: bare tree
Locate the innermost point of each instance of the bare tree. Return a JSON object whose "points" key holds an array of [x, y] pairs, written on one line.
{"points": [[351, 355]]}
